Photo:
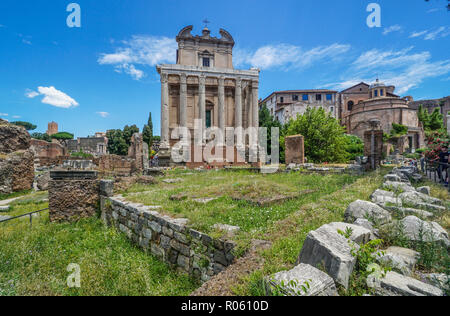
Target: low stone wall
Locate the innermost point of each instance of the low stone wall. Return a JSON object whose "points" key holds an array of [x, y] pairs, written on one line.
{"points": [[43, 149], [73, 195], [16, 171], [167, 238]]}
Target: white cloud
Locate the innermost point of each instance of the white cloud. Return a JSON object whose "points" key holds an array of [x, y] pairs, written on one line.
{"points": [[286, 56], [429, 35], [31, 94], [16, 116], [393, 28], [3, 114], [140, 50], [403, 68], [103, 114], [439, 33], [417, 34], [53, 97]]}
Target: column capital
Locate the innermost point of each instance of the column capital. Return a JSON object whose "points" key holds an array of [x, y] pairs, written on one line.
{"points": [[255, 83], [202, 80], [221, 80], [164, 77], [238, 82], [183, 78]]}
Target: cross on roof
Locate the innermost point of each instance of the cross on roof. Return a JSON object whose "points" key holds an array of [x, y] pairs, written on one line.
{"points": [[206, 22]]}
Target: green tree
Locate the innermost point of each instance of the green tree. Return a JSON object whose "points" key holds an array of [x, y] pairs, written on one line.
{"points": [[325, 139], [62, 136], [128, 132], [354, 146], [147, 132], [42, 136], [28, 126], [436, 120], [116, 142], [267, 120]]}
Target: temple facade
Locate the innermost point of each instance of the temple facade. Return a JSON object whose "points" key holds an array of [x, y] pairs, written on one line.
{"points": [[204, 88]]}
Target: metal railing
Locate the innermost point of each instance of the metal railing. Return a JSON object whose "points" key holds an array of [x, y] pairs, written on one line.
{"points": [[435, 170], [24, 215]]}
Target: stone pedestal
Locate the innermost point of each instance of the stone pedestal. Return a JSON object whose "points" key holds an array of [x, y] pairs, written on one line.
{"points": [[73, 195], [295, 149]]}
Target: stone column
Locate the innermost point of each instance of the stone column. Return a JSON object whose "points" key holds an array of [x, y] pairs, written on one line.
{"points": [[164, 111], [183, 100], [255, 106], [222, 104], [202, 103], [238, 107], [249, 106]]}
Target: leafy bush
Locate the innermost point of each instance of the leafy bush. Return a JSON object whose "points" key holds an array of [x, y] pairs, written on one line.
{"points": [[354, 146], [324, 137], [42, 136]]}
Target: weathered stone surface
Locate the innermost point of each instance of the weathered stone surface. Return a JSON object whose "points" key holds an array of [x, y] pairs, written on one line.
{"points": [[416, 229], [4, 208], [366, 224], [395, 284], [325, 248], [415, 212], [107, 187], [290, 282], [295, 151], [360, 235], [13, 138], [16, 172], [422, 201], [402, 260], [439, 280], [424, 190], [392, 177], [384, 198], [71, 200], [42, 181], [367, 210], [227, 228], [398, 186]]}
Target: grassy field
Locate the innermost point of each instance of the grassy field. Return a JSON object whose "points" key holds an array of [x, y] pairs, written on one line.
{"points": [[236, 196], [34, 261]]}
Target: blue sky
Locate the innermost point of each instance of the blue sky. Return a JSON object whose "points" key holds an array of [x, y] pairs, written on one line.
{"points": [[102, 76]]}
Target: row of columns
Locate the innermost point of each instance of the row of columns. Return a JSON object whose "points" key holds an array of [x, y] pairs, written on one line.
{"points": [[252, 105]]}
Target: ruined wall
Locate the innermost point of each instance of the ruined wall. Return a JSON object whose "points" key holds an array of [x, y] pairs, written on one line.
{"points": [[43, 149], [16, 160], [168, 239], [116, 164], [378, 148], [72, 198], [138, 151]]}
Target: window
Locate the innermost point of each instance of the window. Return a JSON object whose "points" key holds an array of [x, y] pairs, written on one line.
{"points": [[206, 62], [305, 97], [350, 105], [329, 97], [208, 119], [318, 97], [295, 97], [381, 92], [332, 109], [281, 99], [376, 93]]}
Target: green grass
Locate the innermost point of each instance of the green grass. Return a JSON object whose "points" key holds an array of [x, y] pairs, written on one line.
{"points": [[227, 187], [34, 260], [289, 234], [13, 195]]}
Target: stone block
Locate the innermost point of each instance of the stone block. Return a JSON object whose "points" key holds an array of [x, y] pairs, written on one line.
{"points": [[360, 235], [399, 259], [107, 187], [367, 210], [295, 151], [325, 249], [303, 280]]}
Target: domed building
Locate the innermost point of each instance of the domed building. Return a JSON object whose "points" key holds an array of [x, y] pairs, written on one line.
{"points": [[362, 103]]}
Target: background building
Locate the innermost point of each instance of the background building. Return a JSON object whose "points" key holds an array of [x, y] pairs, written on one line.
{"points": [[284, 105]]}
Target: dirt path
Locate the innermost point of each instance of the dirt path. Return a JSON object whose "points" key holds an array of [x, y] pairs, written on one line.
{"points": [[221, 284], [6, 202]]}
